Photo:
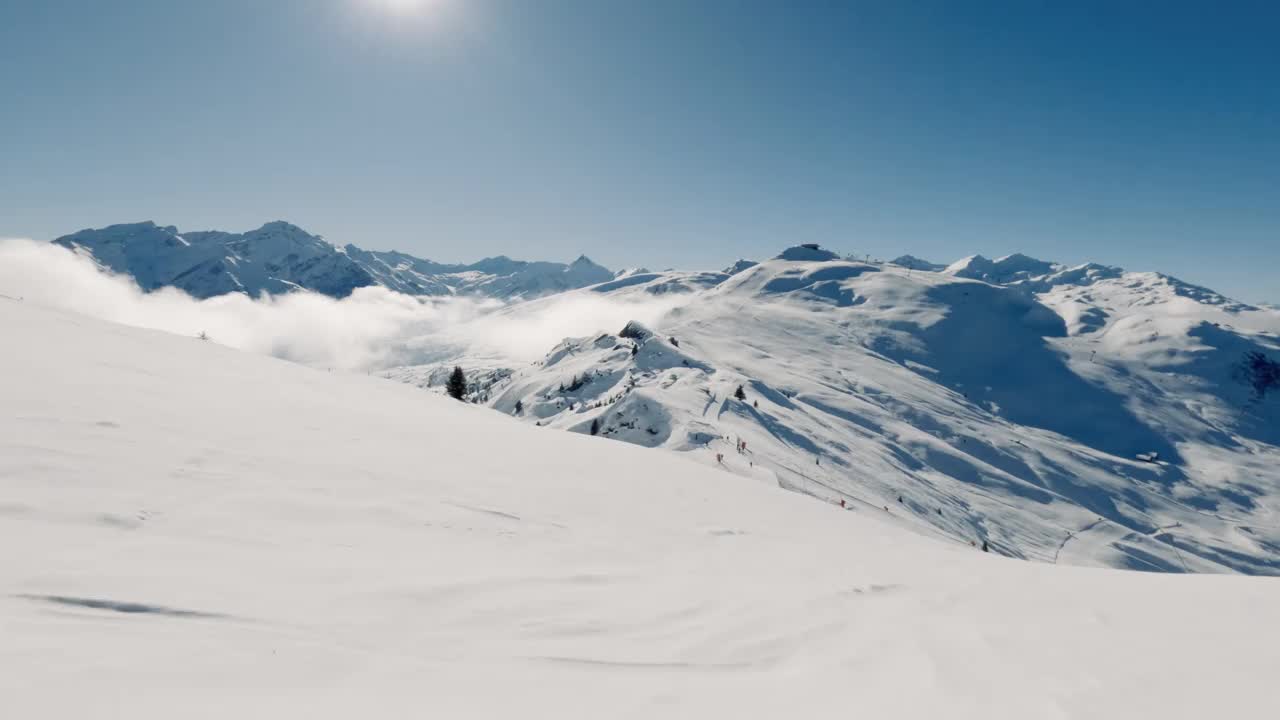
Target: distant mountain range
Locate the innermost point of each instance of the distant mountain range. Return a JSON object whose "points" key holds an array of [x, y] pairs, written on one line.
{"points": [[280, 257]]}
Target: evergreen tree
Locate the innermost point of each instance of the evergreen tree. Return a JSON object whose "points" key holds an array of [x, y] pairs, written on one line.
{"points": [[457, 385], [519, 407], [739, 393], [595, 426]]}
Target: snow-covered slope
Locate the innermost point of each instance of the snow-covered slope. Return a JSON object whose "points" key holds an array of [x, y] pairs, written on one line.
{"points": [[279, 257], [188, 531], [1084, 416]]}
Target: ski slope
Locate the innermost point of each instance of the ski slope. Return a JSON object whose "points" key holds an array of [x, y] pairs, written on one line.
{"points": [[191, 531]]}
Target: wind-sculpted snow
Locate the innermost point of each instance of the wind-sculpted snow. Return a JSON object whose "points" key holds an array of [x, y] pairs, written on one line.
{"points": [[287, 542]]}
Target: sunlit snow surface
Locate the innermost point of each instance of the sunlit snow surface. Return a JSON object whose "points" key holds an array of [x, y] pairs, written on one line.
{"points": [[190, 531]]}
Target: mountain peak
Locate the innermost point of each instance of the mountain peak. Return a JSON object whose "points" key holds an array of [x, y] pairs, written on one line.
{"points": [[584, 262], [914, 263], [1002, 270], [282, 227], [807, 252]]}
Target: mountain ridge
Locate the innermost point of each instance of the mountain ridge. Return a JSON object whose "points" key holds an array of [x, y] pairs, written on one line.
{"points": [[280, 257]]}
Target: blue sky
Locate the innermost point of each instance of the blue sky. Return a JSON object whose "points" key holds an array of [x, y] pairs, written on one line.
{"points": [[662, 133]]}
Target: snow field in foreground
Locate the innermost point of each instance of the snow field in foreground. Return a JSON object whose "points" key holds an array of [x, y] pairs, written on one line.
{"points": [[190, 531]]}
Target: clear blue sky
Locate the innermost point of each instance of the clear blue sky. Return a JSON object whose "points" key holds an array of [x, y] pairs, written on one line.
{"points": [[661, 132]]}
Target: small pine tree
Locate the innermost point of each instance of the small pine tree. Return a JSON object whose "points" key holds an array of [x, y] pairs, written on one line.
{"points": [[740, 393], [519, 407], [457, 385], [595, 426]]}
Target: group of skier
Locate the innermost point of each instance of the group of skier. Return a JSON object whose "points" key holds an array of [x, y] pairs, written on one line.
{"points": [[741, 447]]}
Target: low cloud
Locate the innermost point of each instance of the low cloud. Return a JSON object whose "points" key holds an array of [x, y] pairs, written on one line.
{"points": [[374, 328]]}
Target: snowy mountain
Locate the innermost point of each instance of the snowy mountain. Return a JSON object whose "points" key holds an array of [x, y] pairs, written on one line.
{"points": [[190, 531], [1077, 415], [1083, 415], [276, 258], [279, 257], [1007, 269], [915, 263]]}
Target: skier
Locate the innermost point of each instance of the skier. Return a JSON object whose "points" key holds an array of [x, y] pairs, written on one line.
{"points": [[841, 503]]}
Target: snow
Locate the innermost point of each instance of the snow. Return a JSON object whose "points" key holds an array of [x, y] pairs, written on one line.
{"points": [[191, 531], [806, 253], [981, 412], [1001, 270], [1019, 409], [280, 257], [276, 258], [739, 266], [915, 263]]}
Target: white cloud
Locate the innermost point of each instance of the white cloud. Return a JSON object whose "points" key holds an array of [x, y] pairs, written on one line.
{"points": [[371, 329]]}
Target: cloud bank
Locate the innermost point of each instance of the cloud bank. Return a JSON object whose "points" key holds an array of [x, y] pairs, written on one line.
{"points": [[372, 329]]}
